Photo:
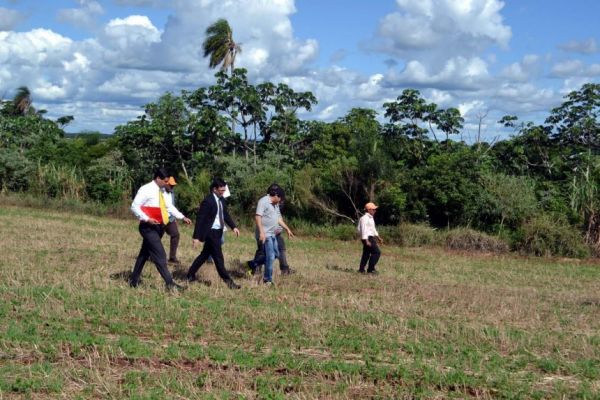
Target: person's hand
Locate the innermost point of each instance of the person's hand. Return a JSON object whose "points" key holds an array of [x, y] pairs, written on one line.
{"points": [[195, 243], [367, 242], [152, 221], [262, 237], [187, 220], [237, 232], [290, 233], [379, 240]]}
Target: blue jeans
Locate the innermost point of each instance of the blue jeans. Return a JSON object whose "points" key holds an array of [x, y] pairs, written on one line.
{"points": [[271, 252]]}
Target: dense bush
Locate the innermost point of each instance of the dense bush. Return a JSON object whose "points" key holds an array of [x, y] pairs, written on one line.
{"points": [[59, 182], [472, 240], [108, 179], [410, 235], [550, 236]]}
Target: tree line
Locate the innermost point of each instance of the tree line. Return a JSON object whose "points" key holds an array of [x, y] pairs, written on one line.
{"points": [[409, 160]]}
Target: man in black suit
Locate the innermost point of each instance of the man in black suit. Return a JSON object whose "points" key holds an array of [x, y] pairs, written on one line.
{"points": [[210, 222]]}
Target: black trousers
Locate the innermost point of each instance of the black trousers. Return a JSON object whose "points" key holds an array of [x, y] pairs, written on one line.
{"points": [[212, 248], [370, 254], [259, 254], [152, 249], [173, 232]]}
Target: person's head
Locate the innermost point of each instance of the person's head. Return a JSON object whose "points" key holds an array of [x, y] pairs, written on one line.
{"points": [[218, 186], [170, 184], [161, 177], [276, 193], [370, 208]]}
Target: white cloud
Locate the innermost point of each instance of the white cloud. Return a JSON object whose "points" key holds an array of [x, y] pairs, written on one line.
{"points": [[45, 90], [36, 48], [522, 71], [143, 3], [452, 28], [457, 73], [567, 68], [441, 98], [471, 107], [83, 16], [588, 46], [9, 18], [80, 63]]}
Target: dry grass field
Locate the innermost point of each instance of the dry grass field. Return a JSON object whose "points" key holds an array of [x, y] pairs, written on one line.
{"points": [[433, 324]]}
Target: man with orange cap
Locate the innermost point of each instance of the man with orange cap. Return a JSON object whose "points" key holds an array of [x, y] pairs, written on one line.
{"points": [[369, 237], [171, 228]]}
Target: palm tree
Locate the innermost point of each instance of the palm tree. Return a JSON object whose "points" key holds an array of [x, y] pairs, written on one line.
{"points": [[22, 101], [220, 46], [222, 49]]}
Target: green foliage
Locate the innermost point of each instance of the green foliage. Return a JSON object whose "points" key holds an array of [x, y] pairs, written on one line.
{"points": [[410, 235], [472, 240], [252, 135], [108, 180], [59, 182], [513, 197], [546, 235], [16, 170]]}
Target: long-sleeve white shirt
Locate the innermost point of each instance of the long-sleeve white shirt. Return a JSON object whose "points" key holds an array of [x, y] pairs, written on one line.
{"points": [[367, 226], [147, 196]]}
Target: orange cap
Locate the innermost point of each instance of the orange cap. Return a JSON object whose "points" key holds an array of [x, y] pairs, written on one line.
{"points": [[370, 206], [172, 181]]}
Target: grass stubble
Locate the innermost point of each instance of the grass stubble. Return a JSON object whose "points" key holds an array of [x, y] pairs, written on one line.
{"points": [[433, 324]]}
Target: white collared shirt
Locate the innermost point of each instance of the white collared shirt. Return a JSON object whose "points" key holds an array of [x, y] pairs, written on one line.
{"points": [[217, 223], [367, 226], [147, 196]]}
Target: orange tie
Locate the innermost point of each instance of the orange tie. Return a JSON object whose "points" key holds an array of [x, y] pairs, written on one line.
{"points": [[163, 207]]}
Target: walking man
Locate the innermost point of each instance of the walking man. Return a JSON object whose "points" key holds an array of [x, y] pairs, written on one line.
{"points": [[153, 211], [268, 219], [210, 222], [369, 237], [172, 229]]}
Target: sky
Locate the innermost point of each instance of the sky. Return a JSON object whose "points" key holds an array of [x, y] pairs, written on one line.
{"points": [[102, 61]]}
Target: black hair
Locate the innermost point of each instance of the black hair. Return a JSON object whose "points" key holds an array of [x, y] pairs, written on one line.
{"points": [[276, 190], [161, 173], [217, 183]]}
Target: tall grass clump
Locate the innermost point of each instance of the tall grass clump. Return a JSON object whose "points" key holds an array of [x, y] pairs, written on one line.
{"points": [[472, 240], [60, 182], [410, 235], [547, 236]]}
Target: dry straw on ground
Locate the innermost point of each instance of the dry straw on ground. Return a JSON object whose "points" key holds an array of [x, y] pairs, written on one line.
{"points": [[433, 324]]}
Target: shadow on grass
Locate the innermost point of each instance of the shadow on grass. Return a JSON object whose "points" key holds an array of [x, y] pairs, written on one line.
{"points": [[180, 274], [340, 269], [239, 269], [591, 302], [121, 276]]}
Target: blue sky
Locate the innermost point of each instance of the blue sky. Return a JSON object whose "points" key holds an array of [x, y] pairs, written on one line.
{"points": [[101, 61]]}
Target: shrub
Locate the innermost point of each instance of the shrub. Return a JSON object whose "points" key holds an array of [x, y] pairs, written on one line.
{"points": [[59, 182], [472, 240], [410, 235], [108, 180], [548, 236]]}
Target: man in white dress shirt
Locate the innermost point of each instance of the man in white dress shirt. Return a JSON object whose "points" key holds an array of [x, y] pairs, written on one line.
{"points": [[150, 207], [369, 237]]}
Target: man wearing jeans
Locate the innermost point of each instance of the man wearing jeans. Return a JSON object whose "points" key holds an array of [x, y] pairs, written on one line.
{"points": [[268, 220]]}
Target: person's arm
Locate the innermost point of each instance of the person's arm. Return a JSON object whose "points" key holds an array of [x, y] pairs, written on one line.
{"points": [[172, 210], [262, 236], [284, 226], [197, 235], [364, 235]]}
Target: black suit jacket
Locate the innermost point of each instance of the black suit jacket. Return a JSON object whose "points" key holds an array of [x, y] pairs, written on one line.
{"points": [[206, 217]]}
